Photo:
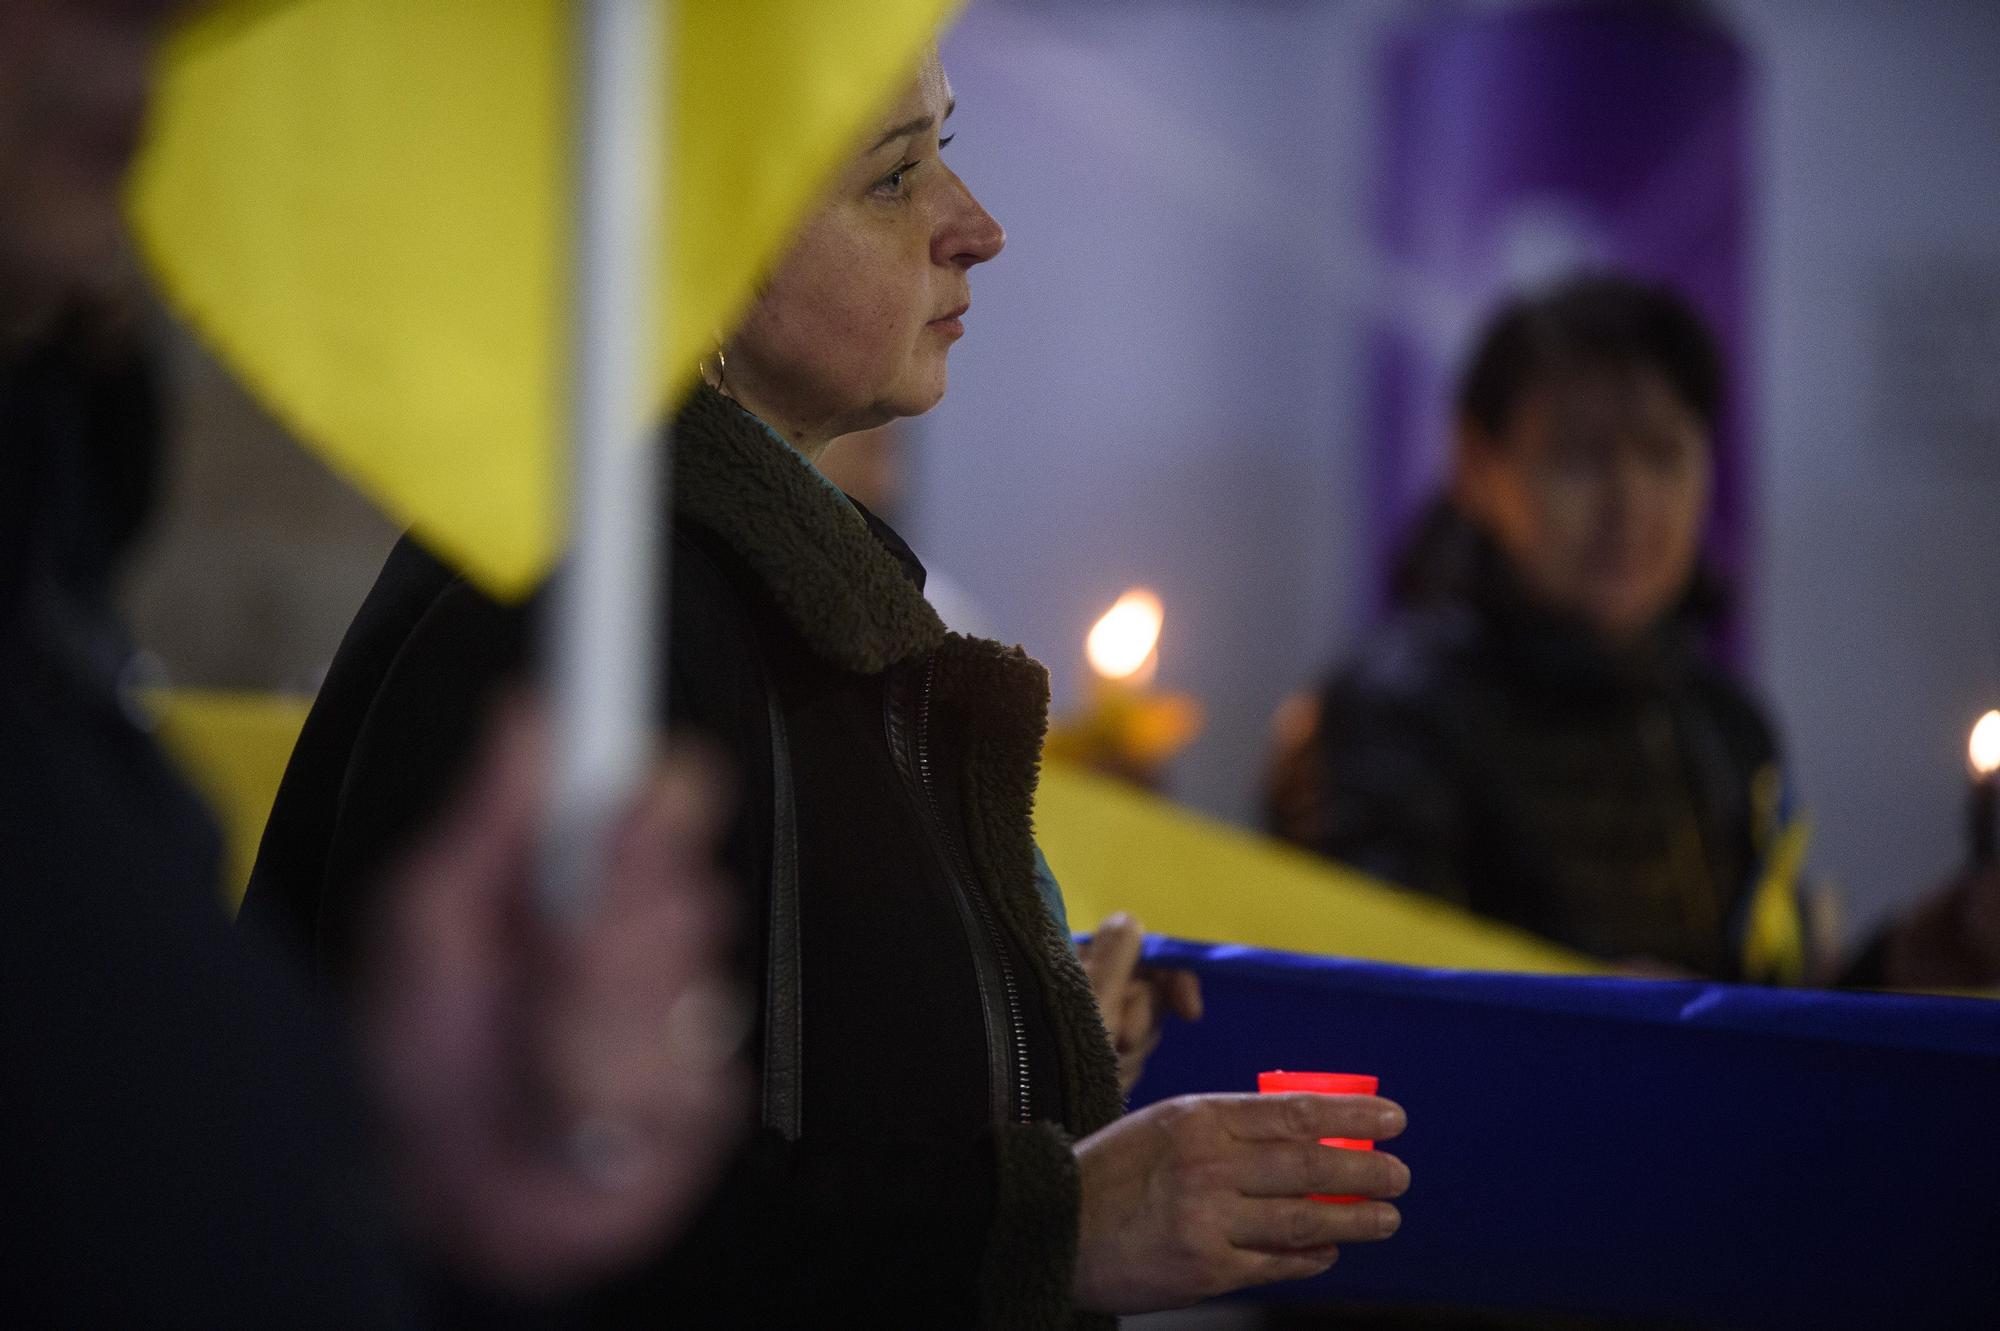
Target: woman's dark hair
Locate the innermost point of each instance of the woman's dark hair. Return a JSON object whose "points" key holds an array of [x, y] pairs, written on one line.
{"points": [[1591, 321]]}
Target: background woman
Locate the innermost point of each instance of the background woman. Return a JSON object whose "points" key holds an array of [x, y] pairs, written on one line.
{"points": [[1538, 733], [940, 1141]]}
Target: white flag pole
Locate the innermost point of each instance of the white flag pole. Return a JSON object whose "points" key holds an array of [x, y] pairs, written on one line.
{"points": [[604, 634]]}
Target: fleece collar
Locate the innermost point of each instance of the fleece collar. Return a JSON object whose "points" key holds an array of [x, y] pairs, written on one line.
{"points": [[850, 587], [837, 582]]}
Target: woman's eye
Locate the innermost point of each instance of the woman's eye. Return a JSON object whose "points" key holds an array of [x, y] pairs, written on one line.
{"points": [[945, 142], [894, 184]]}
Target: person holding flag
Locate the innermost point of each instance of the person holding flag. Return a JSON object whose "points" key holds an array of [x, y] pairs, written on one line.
{"points": [[940, 1139], [185, 1138]]}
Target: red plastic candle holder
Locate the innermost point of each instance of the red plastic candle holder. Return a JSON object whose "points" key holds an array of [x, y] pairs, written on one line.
{"points": [[1324, 1083]]}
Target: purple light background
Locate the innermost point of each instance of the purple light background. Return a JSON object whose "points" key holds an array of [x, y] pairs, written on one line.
{"points": [[1518, 146]]}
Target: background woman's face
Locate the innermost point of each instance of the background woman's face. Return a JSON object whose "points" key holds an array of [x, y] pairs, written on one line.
{"points": [[1597, 494], [854, 327]]}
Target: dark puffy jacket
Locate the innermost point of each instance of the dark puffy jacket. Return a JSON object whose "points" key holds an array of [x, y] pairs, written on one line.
{"points": [[948, 1047], [1497, 756]]}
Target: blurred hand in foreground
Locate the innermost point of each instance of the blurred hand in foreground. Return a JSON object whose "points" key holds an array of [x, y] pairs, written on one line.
{"points": [[1198, 1196], [557, 1097], [1133, 998]]}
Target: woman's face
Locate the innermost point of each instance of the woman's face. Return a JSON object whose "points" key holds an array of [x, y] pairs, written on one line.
{"points": [[853, 328], [1597, 494]]}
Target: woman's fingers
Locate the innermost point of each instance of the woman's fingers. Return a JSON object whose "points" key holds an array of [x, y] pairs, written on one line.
{"points": [[1111, 957], [626, 1015], [1134, 1019], [1294, 1224], [1267, 1268], [1305, 1114], [561, 1091], [1302, 1168], [1180, 993], [470, 860], [666, 839], [1132, 1062]]}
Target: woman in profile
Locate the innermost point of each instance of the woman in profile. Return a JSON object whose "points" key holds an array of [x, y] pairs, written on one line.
{"points": [[940, 1139], [1538, 733]]}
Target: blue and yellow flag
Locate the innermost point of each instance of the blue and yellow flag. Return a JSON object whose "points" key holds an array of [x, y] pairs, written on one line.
{"points": [[362, 206]]}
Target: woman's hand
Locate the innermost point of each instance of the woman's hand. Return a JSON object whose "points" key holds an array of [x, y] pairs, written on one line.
{"points": [[1131, 997], [1195, 1197], [557, 1097]]}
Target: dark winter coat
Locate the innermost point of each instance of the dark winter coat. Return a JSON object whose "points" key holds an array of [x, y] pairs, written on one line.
{"points": [[179, 1144], [1493, 754], [949, 1050]]}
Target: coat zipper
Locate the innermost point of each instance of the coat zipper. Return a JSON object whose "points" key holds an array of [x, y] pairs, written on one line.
{"points": [[1006, 1027]]}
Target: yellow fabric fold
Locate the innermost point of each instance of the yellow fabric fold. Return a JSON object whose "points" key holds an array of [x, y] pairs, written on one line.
{"points": [[233, 747], [1111, 847], [1114, 848]]}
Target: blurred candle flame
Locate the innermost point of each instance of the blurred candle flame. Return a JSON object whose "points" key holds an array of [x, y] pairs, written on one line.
{"points": [[1985, 746], [1122, 644]]}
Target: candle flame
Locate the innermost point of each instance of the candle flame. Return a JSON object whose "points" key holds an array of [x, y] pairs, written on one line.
{"points": [[1985, 746], [1121, 644]]}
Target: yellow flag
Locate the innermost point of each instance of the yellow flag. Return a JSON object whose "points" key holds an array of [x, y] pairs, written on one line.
{"points": [[1115, 848], [362, 206]]}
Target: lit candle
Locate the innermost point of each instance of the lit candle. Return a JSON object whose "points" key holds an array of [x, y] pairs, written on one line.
{"points": [[1324, 1083], [1124, 645], [1126, 729], [1984, 751]]}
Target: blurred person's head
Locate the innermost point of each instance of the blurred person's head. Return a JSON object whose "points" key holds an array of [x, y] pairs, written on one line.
{"points": [[1585, 422], [853, 328], [73, 86]]}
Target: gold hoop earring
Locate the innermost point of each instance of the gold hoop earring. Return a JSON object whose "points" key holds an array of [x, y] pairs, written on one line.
{"points": [[720, 380]]}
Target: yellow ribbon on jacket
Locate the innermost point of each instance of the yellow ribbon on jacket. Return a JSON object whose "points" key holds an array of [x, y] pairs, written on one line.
{"points": [[1774, 937]]}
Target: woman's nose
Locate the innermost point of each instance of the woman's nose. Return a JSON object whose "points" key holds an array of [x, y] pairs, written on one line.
{"points": [[1637, 491], [969, 235]]}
